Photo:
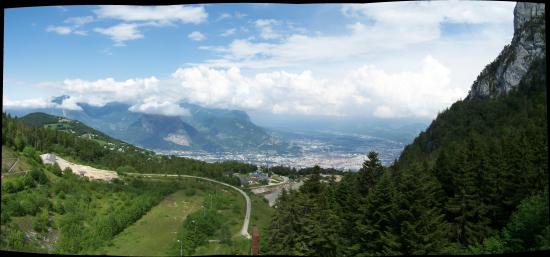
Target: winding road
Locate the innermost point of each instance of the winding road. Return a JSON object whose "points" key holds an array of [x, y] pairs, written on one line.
{"points": [[244, 230]]}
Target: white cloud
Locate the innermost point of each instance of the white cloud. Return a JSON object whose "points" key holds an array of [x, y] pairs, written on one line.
{"points": [[153, 105], [223, 16], [39, 103], [420, 92], [102, 91], [162, 14], [396, 27], [121, 32], [74, 24], [79, 21], [431, 13], [61, 30], [26, 104], [196, 35], [228, 32], [266, 28]]}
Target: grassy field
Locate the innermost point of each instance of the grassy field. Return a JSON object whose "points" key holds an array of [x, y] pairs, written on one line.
{"points": [[153, 235]]}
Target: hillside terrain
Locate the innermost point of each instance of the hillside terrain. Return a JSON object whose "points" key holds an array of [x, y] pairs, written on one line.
{"points": [[207, 129], [474, 182], [50, 210]]}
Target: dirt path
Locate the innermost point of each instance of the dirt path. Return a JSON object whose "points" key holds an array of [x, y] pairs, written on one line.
{"points": [[78, 169]]}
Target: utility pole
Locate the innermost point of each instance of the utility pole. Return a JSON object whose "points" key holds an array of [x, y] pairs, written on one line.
{"points": [[255, 249]]}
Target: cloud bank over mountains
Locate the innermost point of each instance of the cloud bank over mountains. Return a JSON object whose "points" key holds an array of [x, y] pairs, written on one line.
{"points": [[368, 89]]}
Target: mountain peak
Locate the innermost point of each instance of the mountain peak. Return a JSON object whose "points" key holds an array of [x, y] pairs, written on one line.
{"points": [[59, 99], [524, 12], [513, 62]]}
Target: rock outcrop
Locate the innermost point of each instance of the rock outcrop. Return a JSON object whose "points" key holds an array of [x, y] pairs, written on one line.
{"points": [[528, 44]]}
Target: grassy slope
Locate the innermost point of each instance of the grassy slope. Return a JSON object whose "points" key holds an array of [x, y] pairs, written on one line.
{"points": [[152, 234]]}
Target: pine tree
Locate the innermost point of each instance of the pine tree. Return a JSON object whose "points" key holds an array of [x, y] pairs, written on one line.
{"points": [[467, 212], [374, 227], [313, 184], [369, 173], [421, 228]]}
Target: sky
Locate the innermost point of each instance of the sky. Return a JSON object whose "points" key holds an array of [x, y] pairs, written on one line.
{"points": [[384, 60]]}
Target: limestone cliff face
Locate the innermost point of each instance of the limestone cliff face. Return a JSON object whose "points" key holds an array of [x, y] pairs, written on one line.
{"points": [[528, 44]]}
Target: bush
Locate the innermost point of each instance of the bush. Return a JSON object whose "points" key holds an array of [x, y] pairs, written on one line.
{"points": [[125, 169], [38, 176], [40, 222], [68, 171], [31, 154], [56, 170]]}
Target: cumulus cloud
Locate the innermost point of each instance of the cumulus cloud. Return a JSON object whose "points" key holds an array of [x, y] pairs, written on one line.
{"points": [[102, 91], [162, 14], [196, 36], [421, 93], [121, 32], [154, 105], [368, 89]]}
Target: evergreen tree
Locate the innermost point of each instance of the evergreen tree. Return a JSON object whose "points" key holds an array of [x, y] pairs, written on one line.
{"points": [[467, 212], [374, 227], [369, 173], [420, 225]]}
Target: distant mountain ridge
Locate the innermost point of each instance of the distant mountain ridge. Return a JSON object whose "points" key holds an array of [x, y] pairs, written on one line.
{"points": [[208, 129], [40, 119]]}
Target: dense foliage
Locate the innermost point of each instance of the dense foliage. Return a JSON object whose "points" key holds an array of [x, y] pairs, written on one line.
{"points": [[18, 135], [476, 181], [202, 225], [85, 214], [293, 173]]}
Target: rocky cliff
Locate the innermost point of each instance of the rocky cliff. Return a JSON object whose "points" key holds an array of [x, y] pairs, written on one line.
{"points": [[528, 44]]}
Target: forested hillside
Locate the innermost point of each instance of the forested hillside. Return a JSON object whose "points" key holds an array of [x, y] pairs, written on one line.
{"points": [[476, 181], [46, 209], [18, 135]]}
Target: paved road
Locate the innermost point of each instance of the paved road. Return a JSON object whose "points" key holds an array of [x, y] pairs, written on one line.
{"points": [[244, 230]]}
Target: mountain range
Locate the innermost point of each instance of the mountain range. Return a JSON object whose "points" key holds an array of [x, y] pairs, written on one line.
{"points": [[207, 129]]}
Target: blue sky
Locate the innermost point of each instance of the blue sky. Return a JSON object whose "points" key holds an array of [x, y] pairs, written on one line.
{"points": [[396, 59]]}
